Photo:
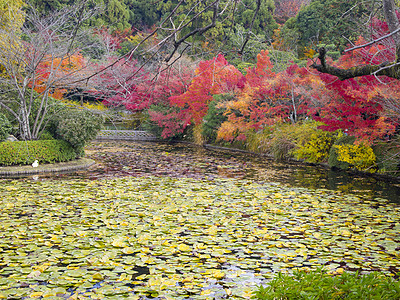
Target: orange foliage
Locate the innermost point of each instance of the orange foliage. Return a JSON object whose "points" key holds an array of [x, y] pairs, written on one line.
{"points": [[55, 72], [269, 98]]}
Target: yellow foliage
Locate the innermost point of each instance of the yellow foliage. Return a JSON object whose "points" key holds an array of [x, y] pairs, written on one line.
{"points": [[309, 53], [300, 140], [359, 156], [11, 20], [316, 147], [11, 15]]}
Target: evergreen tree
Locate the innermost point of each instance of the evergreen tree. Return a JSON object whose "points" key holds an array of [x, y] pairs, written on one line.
{"points": [[327, 20]]}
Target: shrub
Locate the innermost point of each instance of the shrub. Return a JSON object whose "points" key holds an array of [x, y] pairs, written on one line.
{"points": [[388, 156], [11, 98], [167, 122], [259, 142], [316, 147], [46, 135], [282, 140], [361, 157], [26, 152], [5, 127], [214, 118], [77, 127], [333, 155], [319, 284]]}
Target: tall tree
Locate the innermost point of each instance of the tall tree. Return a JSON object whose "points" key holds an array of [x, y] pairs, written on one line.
{"points": [[38, 60], [115, 13], [326, 21]]}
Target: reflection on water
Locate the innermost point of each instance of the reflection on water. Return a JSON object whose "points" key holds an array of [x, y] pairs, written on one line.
{"points": [[317, 177], [118, 159]]}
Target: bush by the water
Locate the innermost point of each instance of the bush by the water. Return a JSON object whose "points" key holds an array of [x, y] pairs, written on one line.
{"points": [[158, 125], [345, 154], [321, 285], [26, 152], [76, 126], [5, 127], [214, 118], [333, 153], [388, 156], [315, 147]]}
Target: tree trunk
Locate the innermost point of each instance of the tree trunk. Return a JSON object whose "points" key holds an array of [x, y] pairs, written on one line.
{"points": [[389, 11]]}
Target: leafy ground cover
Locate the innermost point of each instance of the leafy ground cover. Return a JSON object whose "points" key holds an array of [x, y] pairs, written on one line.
{"points": [[301, 285], [173, 238]]}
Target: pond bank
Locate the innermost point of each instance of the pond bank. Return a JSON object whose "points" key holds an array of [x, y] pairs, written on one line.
{"points": [[70, 166], [394, 179]]}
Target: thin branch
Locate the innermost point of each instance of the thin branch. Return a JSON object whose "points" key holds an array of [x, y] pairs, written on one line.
{"points": [[251, 27], [197, 30], [373, 42]]}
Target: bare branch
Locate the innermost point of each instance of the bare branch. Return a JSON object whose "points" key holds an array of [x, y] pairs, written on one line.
{"points": [[251, 27]]}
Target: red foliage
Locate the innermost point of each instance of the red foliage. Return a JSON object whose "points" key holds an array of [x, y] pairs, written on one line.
{"points": [[129, 85], [379, 28], [355, 108], [172, 122], [269, 98], [214, 76]]}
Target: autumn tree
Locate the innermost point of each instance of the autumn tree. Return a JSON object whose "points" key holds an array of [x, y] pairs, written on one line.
{"points": [[41, 60], [269, 97]]}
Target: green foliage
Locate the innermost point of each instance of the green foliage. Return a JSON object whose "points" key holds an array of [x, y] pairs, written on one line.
{"points": [[319, 284], [235, 39], [77, 127], [281, 59], [214, 118], [388, 156], [315, 147], [331, 50], [264, 22], [26, 152], [333, 155], [5, 127], [46, 135], [115, 13], [323, 20], [10, 97], [277, 141]]}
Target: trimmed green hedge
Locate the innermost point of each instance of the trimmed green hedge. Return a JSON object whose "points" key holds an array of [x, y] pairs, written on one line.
{"points": [[44, 151]]}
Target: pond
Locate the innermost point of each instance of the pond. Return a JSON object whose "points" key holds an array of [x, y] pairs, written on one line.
{"points": [[118, 159], [177, 222]]}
